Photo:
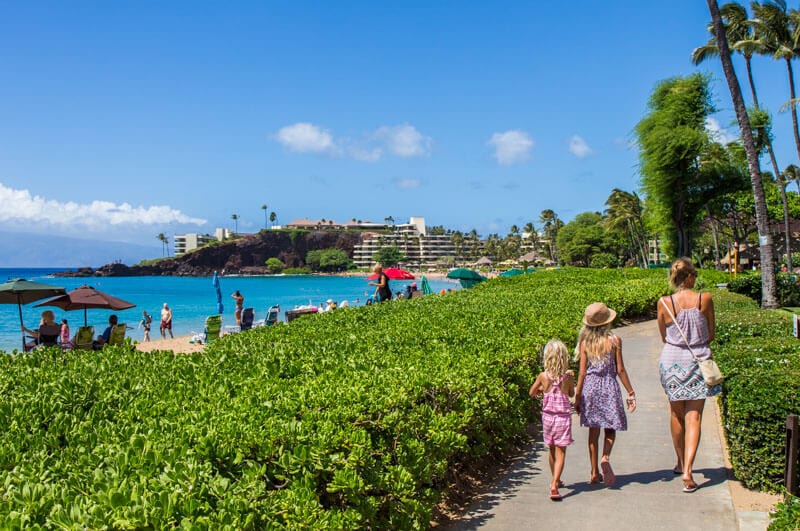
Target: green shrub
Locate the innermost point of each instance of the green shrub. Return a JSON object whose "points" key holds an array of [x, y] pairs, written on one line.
{"points": [[787, 287], [759, 359], [348, 419], [786, 516]]}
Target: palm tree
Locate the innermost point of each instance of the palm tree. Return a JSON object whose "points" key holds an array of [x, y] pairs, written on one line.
{"points": [[273, 217], [768, 291], [164, 241], [235, 218], [792, 173], [763, 138], [774, 31], [769, 34], [624, 212], [264, 208], [550, 229], [739, 33]]}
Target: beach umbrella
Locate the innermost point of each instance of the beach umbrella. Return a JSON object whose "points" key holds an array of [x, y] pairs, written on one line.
{"points": [[394, 273], [20, 291], [426, 286], [86, 297], [467, 277], [215, 284]]}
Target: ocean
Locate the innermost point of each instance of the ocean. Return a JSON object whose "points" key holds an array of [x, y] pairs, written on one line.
{"points": [[192, 299]]}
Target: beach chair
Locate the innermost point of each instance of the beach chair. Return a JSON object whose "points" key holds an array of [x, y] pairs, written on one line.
{"points": [[117, 335], [83, 338], [48, 337], [212, 327], [272, 316], [246, 322]]}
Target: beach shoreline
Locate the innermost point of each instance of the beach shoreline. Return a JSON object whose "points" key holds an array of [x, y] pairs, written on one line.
{"points": [[178, 345]]}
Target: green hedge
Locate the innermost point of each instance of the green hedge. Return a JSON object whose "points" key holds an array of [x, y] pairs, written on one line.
{"points": [[758, 357], [341, 420], [787, 287]]}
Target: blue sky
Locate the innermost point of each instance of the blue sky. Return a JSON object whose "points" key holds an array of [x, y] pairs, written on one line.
{"points": [[121, 120]]}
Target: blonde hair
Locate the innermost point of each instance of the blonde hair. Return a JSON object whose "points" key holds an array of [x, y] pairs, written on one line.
{"points": [[556, 358], [595, 343], [679, 271]]}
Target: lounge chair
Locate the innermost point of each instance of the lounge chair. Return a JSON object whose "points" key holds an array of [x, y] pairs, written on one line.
{"points": [[83, 338], [117, 335], [47, 337], [246, 323], [272, 317], [212, 327]]}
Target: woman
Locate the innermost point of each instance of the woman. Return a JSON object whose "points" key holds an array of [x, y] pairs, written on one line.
{"points": [[680, 374], [382, 290], [47, 333], [237, 312]]}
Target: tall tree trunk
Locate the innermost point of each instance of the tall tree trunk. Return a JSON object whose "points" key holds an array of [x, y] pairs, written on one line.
{"points": [[715, 236], [787, 234], [768, 291], [793, 105], [747, 60]]}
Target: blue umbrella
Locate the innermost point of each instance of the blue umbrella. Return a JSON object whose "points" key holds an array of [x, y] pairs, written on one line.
{"points": [[215, 283]]}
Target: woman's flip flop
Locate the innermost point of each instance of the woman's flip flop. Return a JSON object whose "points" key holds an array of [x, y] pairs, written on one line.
{"points": [[689, 486], [608, 474], [555, 495]]}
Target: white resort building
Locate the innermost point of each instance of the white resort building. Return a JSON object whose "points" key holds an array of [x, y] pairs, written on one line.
{"points": [[420, 248]]}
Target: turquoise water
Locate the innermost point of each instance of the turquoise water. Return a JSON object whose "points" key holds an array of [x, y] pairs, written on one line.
{"points": [[191, 299]]}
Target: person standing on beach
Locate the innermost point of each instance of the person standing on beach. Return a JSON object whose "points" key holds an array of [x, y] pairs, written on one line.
{"points": [[145, 323], [166, 321], [237, 312], [382, 290]]}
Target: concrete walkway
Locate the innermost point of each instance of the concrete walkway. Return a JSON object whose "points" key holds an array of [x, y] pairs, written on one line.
{"points": [[647, 495]]}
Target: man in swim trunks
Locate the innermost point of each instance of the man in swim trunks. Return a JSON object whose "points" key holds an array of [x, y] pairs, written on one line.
{"points": [[166, 321]]}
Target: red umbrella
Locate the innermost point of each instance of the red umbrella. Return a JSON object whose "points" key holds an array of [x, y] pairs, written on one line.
{"points": [[394, 273], [86, 297]]}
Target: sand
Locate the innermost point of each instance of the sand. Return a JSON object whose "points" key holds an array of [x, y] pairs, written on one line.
{"points": [[178, 345]]}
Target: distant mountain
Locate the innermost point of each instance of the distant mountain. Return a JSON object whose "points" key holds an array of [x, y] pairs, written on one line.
{"points": [[36, 250]]}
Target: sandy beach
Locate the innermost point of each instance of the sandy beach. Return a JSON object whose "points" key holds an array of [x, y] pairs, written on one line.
{"points": [[177, 345]]}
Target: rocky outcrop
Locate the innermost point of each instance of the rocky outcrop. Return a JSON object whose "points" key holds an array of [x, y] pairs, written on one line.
{"points": [[243, 256]]}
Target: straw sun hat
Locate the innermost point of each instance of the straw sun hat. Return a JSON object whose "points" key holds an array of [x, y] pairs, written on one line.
{"points": [[598, 314]]}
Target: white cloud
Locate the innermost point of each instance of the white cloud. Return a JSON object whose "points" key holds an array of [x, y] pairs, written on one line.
{"points": [[511, 147], [19, 207], [404, 140], [365, 154], [399, 140], [407, 184], [579, 147], [304, 137], [719, 133]]}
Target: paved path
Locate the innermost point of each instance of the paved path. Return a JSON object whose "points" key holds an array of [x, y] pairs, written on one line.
{"points": [[647, 494]]}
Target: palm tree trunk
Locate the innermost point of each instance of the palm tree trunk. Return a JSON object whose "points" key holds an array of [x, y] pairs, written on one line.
{"points": [[787, 234], [794, 106], [715, 237], [747, 60], [768, 287]]}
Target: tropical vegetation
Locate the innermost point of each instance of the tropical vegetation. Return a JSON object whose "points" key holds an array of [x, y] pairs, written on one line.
{"points": [[349, 419]]}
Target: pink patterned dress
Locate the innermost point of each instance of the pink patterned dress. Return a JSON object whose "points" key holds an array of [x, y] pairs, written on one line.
{"points": [[601, 400], [556, 418]]}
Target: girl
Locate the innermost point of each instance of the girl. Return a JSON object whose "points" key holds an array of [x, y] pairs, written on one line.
{"points": [[64, 333], [557, 384], [598, 397]]}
